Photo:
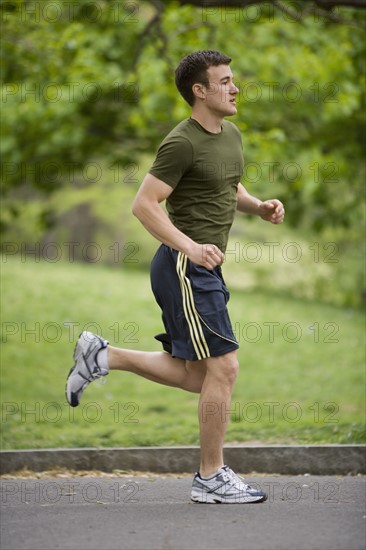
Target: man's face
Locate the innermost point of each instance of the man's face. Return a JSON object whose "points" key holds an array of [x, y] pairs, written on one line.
{"points": [[221, 92]]}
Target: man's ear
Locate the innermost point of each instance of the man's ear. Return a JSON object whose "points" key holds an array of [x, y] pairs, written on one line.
{"points": [[199, 91]]}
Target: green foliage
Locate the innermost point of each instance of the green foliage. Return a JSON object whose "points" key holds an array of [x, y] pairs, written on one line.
{"points": [[66, 87], [89, 93]]}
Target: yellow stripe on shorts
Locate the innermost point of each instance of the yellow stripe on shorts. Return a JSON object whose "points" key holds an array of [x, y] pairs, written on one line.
{"points": [[191, 314]]}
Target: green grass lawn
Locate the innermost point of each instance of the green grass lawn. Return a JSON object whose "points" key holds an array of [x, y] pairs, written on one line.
{"points": [[301, 378]]}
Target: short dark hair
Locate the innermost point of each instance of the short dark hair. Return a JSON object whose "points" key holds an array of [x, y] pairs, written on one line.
{"points": [[193, 69]]}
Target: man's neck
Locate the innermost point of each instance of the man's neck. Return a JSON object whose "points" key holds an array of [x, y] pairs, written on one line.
{"points": [[210, 122]]}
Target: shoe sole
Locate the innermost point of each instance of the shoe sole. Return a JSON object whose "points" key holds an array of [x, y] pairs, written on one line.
{"points": [[73, 399], [215, 499]]}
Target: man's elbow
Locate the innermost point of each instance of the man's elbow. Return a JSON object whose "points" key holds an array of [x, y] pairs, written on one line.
{"points": [[137, 208]]}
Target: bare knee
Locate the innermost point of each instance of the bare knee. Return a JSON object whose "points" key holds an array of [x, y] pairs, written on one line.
{"points": [[225, 368]]}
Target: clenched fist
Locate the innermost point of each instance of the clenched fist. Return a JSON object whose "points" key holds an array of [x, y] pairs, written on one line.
{"points": [[207, 255]]}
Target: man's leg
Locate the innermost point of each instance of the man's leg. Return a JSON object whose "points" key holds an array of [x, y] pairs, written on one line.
{"points": [[159, 367], [214, 378], [216, 482], [213, 409]]}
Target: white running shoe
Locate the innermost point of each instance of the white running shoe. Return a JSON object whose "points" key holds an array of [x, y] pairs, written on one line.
{"points": [[90, 363], [224, 487]]}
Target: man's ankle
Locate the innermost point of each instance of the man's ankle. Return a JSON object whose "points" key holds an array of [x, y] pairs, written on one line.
{"points": [[208, 471]]}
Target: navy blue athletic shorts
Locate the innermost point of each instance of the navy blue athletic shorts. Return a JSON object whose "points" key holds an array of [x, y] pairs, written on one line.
{"points": [[193, 303]]}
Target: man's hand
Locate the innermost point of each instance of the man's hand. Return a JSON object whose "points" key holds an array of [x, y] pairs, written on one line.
{"points": [[207, 255], [272, 211]]}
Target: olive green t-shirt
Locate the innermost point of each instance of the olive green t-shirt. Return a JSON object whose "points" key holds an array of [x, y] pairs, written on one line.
{"points": [[204, 170]]}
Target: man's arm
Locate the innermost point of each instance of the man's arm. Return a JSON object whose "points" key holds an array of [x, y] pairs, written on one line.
{"points": [[146, 207], [271, 210]]}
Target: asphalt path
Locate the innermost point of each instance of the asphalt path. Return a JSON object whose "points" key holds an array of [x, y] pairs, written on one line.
{"points": [[154, 512]]}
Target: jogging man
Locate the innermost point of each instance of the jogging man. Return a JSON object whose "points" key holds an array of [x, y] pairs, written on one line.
{"points": [[197, 171]]}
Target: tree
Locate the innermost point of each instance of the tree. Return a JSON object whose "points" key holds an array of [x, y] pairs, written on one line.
{"points": [[88, 93], [90, 80]]}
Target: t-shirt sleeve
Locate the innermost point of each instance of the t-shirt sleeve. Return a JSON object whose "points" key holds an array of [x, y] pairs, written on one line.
{"points": [[173, 159]]}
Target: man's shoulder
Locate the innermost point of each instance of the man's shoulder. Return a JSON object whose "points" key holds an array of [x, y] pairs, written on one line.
{"points": [[182, 129], [179, 140], [231, 127]]}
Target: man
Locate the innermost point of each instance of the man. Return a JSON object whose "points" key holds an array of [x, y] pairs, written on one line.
{"points": [[197, 172]]}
